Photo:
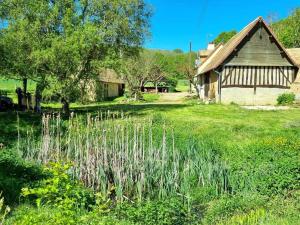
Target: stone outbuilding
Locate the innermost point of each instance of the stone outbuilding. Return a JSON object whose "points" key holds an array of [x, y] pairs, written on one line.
{"points": [[109, 85], [252, 68]]}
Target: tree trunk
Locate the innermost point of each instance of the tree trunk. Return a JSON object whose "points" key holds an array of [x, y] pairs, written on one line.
{"points": [[39, 96], [156, 88], [196, 88], [25, 86], [65, 107]]}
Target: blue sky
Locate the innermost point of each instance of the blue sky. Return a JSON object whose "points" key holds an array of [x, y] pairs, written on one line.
{"points": [[176, 23]]}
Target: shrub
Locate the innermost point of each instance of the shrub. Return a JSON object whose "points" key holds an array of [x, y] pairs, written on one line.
{"points": [[169, 211], [48, 215], [286, 99], [27, 215], [60, 190]]}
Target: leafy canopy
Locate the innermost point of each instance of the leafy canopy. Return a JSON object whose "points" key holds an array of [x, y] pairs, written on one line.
{"points": [[69, 41], [288, 30], [224, 37]]}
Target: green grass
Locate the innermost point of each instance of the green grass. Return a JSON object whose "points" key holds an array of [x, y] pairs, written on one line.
{"points": [[10, 85], [260, 148], [183, 86]]}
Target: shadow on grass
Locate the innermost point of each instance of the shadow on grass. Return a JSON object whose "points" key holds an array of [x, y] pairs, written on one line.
{"points": [[28, 120], [129, 109], [9, 125]]}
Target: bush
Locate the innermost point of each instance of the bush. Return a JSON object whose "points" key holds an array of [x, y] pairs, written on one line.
{"points": [[27, 215], [60, 190], [169, 211], [286, 99], [48, 215]]}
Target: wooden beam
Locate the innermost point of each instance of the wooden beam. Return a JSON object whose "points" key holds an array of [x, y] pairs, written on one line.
{"points": [[226, 77], [280, 69]]}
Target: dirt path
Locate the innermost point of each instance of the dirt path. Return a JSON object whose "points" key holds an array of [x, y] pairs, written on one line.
{"points": [[173, 97]]}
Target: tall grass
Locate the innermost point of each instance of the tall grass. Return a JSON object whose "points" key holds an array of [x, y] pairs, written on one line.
{"points": [[130, 158]]}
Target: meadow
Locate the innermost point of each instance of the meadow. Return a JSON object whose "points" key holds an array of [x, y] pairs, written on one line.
{"points": [[9, 86], [159, 164]]}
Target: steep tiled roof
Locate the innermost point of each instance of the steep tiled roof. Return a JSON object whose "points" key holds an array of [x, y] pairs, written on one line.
{"points": [[295, 54], [217, 58], [110, 76], [209, 60]]}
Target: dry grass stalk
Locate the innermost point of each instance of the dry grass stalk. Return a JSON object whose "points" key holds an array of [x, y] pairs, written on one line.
{"points": [[112, 151]]}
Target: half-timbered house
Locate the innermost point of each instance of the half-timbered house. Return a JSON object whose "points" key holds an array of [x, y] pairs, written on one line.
{"points": [[252, 68]]}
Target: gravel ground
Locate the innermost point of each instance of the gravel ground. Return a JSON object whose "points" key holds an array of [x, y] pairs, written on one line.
{"points": [[266, 108]]}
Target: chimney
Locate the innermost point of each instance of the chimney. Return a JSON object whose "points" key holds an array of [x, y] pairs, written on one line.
{"points": [[211, 46]]}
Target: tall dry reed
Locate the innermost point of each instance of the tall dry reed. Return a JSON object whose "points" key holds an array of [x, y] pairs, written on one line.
{"points": [[135, 158]]}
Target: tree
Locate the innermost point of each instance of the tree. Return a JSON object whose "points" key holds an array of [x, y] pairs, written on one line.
{"points": [[288, 30], [224, 37], [136, 72], [158, 69], [81, 36], [178, 51], [21, 36], [187, 68]]}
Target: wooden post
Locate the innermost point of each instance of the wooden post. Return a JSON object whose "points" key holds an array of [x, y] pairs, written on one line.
{"points": [[255, 79]]}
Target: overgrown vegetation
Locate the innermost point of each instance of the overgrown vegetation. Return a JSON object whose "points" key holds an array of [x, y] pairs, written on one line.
{"points": [[224, 37], [288, 29], [259, 158], [133, 163]]}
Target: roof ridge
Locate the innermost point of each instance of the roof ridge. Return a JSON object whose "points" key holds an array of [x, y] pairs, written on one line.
{"points": [[235, 41]]}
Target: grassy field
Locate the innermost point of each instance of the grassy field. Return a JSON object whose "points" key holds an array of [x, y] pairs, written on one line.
{"points": [[183, 86], [9, 86], [259, 148]]}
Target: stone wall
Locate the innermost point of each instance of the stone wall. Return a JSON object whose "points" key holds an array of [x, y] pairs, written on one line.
{"points": [[246, 96]]}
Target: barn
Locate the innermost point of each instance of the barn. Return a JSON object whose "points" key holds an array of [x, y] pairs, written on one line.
{"points": [[252, 68], [109, 85]]}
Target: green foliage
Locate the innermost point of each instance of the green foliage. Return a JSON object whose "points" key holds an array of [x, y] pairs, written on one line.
{"points": [[170, 211], [286, 99], [256, 216], [59, 190], [227, 206], [224, 37], [47, 215], [15, 173], [178, 51], [272, 167], [65, 44], [261, 155], [27, 215], [288, 30]]}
